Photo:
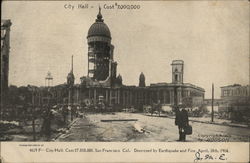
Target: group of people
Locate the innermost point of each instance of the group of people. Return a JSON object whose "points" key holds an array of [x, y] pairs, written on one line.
{"points": [[50, 114]]}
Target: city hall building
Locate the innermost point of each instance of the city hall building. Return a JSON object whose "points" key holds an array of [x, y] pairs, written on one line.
{"points": [[102, 81]]}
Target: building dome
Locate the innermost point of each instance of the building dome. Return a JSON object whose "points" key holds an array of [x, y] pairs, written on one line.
{"points": [[119, 80], [142, 76], [99, 28], [71, 75]]}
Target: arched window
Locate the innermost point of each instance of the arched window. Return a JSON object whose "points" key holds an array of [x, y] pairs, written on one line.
{"points": [[176, 77]]}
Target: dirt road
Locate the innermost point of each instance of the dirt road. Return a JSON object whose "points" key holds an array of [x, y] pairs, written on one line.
{"points": [[145, 129]]}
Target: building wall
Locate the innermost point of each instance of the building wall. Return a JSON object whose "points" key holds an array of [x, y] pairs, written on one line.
{"points": [[5, 48], [235, 94], [131, 96], [234, 91], [99, 57], [235, 100]]}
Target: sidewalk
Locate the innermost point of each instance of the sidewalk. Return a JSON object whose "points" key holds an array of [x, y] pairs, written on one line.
{"points": [[207, 120], [217, 122]]}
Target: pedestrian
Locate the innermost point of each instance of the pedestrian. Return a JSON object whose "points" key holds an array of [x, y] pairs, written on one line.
{"points": [[44, 118], [48, 119], [181, 120], [64, 113], [158, 107], [46, 127]]}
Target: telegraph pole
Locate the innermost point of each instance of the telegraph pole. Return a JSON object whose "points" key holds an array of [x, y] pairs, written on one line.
{"points": [[212, 114]]}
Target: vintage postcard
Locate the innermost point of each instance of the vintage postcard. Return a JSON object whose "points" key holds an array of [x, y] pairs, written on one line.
{"points": [[125, 81]]}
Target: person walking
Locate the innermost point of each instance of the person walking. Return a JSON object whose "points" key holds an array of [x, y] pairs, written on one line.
{"points": [[181, 120]]}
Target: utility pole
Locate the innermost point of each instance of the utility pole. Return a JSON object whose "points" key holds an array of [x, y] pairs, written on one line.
{"points": [[212, 114]]}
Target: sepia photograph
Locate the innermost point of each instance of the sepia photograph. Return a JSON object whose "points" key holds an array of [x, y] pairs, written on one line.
{"points": [[125, 71]]}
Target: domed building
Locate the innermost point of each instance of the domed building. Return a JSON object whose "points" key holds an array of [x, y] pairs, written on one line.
{"points": [[99, 28], [103, 84], [102, 87], [100, 51]]}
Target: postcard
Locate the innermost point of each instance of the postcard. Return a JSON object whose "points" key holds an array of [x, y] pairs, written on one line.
{"points": [[125, 81]]}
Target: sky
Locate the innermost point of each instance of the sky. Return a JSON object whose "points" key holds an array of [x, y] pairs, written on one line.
{"points": [[211, 37]]}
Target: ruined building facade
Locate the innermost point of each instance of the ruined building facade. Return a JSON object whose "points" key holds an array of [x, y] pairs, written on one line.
{"points": [[5, 50]]}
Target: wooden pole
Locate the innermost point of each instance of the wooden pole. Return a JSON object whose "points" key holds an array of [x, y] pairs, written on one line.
{"points": [[212, 114]]}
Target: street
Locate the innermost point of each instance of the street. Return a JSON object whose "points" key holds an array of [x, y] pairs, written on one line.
{"points": [[146, 129]]}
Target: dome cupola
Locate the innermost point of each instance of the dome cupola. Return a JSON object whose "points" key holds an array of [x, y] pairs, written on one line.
{"points": [[99, 31], [142, 80]]}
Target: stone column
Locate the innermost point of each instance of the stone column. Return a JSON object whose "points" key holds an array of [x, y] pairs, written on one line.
{"points": [[95, 96], [110, 96], [158, 96], [106, 96], [118, 96], [124, 98], [164, 96], [89, 93], [179, 95], [145, 97], [130, 97], [171, 96]]}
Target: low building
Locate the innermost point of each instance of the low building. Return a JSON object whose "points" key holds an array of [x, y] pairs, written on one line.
{"points": [[208, 102], [235, 102]]}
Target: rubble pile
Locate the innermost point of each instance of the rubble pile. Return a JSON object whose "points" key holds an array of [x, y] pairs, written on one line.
{"points": [[7, 125]]}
